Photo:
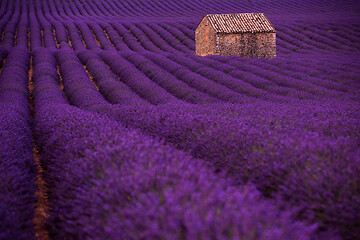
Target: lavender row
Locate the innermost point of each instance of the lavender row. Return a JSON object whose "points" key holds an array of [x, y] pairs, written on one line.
{"points": [[280, 84], [309, 87], [302, 79], [291, 153], [46, 26], [17, 174], [169, 38], [79, 88], [195, 80], [302, 73], [110, 86], [200, 65], [115, 38], [344, 63], [9, 32], [35, 28], [46, 79], [298, 39], [21, 38], [166, 80], [190, 33], [14, 76], [332, 39], [76, 42], [156, 39], [41, 30], [17, 170], [346, 31], [127, 37], [136, 79], [100, 35], [6, 10], [298, 68], [120, 184], [3, 55], [87, 36], [313, 37], [143, 39], [179, 35]]}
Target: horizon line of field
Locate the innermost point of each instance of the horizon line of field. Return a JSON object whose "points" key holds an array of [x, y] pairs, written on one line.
{"points": [[166, 37], [44, 25], [106, 9]]}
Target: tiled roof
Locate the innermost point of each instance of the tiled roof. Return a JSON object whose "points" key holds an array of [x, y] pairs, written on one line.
{"points": [[240, 23]]}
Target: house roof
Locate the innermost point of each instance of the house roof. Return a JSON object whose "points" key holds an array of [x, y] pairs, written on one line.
{"points": [[240, 23]]}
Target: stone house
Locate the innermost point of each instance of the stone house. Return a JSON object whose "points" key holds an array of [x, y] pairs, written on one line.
{"points": [[242, 34]]}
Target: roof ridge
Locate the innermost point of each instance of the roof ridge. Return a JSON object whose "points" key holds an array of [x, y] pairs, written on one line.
{"points": [[240, 22]]}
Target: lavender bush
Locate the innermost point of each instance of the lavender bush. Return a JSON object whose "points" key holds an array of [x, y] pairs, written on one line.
{"points": [[17, 170]]}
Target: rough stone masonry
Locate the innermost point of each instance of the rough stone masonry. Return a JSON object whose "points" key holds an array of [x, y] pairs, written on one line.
{"points": [[242, 34]]}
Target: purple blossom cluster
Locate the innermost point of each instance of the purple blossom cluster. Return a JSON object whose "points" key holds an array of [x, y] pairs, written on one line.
{"points": [[112, 128]]}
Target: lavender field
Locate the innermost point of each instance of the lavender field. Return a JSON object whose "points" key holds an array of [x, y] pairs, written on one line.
{"points": [[112, 128]]}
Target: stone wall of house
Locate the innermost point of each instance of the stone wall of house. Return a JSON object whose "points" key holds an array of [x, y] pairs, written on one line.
{"points": [[258, 45], [205, 38], [266, 45]]}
